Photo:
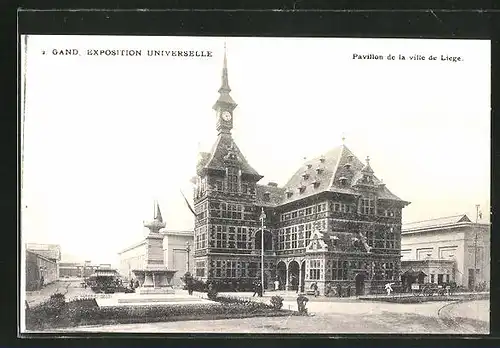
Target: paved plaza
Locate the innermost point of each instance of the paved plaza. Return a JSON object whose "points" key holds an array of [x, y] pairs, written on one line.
{"points": [[328, 316], [334, 318]]}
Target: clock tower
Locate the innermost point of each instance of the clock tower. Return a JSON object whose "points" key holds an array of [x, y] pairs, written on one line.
{"points": [[225, 105]]}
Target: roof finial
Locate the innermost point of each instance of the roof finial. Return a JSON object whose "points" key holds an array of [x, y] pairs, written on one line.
{"points": [[367, 159], [343, 139]]}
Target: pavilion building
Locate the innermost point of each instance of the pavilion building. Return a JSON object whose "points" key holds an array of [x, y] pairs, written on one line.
{"points": [[334, 222]]}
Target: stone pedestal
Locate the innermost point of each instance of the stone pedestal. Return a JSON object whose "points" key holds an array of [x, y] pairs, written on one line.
{"points": [[154, 281]]}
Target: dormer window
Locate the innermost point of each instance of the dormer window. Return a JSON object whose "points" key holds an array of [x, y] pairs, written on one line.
{"points": [[316, 183], [319, 170], [347, 166], [302, 189], [305, 176], [343, 180], [289, 194], [322, 159], [309, 166]]}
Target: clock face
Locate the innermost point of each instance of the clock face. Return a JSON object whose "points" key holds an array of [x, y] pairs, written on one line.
{"points": [[226, 116]]}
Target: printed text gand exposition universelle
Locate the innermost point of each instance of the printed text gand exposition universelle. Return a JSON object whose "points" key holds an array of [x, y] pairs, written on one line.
{"points": [[131, 53]]}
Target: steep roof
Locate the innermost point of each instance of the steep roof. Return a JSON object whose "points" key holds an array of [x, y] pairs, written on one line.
{"points": [[223, 147], [274, 195], [443, 221], [338, 170]]}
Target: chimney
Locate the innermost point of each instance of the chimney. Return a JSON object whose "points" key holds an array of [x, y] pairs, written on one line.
{"points": [[272, 184]]}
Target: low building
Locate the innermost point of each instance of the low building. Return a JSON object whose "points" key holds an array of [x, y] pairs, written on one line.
{"points": [[76, 269], [40, 270], [175, 250], [446, 250], [42, 262]]}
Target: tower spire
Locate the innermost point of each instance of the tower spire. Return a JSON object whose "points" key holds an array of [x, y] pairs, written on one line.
{"points": [[224, 102], [225, 81]]}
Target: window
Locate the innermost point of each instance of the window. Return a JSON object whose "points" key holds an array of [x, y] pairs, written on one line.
{"points": [[447, 278], [232, 179], [308, 232], [338, 270], [281, 240], [294, 237], [241, 238], [341, 208], [390, 240], [201, 238], [200, 268], [287, 238], [221, 237], [244, 188], [321, 207], [294, 215], [432, 278], [367, 206], [308, 211], [314, 269], [226, 210]]}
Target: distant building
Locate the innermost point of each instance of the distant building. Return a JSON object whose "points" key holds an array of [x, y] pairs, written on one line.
{"points": [[446, 250], [76, 269], [175, 255]]}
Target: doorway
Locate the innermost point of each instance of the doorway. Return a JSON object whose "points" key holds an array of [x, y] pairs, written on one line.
{"points": [[302, 276], [281, 274], [293, 270], [360, 284]]}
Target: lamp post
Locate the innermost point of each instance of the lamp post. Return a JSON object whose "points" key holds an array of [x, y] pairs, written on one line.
{"points": [[262, 218], [188, 249]]}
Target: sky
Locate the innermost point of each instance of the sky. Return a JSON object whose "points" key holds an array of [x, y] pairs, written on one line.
{"points": [[106, 136]]}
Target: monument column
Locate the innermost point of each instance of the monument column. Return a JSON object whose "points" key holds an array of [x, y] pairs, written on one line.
{"points": [[157, 278]]}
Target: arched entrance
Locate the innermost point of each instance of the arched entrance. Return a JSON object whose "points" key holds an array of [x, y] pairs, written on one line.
{"points": [[293, 278], [281, 274], [268, 240], [360, 284], [302, 275]]}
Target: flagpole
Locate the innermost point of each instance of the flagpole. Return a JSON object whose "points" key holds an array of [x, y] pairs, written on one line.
{"points": [[475, 248]]}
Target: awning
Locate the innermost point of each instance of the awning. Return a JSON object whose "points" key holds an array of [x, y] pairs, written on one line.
{"points": [[415, 274]]}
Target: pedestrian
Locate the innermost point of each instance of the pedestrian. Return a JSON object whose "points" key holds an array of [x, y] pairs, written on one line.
{"points": [[255, 288], [276, 284], [261, 289], [388, 288], [315, 288], [189, 283], [301, 304], [339, 290]]}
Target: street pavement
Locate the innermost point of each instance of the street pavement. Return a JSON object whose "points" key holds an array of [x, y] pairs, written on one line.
{"points": [[334, 316], [69, 288], [327, 315]]}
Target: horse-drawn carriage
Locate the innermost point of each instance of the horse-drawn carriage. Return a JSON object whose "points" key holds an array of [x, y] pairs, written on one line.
{"points": [[431, 289]]}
